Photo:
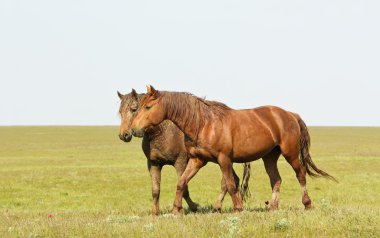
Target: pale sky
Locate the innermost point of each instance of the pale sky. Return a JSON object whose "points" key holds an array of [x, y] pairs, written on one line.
{"points": [[61, 62]]}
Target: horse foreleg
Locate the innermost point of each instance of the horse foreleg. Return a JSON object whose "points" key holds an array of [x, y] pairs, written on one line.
{"points": [[193, 166], [155, 174], [228, 175]]}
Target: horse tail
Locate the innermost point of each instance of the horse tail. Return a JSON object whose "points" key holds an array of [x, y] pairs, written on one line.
{"points": [[311, 169], [244, 189]]}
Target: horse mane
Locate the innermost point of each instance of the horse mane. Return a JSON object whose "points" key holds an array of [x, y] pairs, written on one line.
{"points": [[190, 109]]}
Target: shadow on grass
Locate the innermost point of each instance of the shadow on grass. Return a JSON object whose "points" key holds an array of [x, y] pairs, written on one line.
{"points": [[209, 209]]}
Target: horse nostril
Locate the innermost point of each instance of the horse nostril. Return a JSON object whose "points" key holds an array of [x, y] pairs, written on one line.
{"points": [[126, 137]]}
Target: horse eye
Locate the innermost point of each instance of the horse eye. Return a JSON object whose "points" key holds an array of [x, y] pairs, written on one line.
{"points": [[147, 107], [133, 109]]}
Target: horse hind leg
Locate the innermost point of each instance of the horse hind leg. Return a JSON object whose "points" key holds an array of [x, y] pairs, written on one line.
{"points": [[225, 165], [270, 163], [223, 191], [293, 160]]}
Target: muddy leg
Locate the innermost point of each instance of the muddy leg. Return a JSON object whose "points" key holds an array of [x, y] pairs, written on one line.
{"points": [[193, 166], [155, 174]]}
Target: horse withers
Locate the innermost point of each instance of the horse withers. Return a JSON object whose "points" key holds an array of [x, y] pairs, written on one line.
{"points": [[224, 136], [164, 144]]}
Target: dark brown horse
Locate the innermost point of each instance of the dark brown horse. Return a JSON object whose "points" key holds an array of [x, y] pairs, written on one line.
{"points": [[164, 144], [223, 135]]}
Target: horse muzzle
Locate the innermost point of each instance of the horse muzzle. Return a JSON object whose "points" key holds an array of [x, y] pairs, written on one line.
{"points": [[138, 132], [125, 137]]}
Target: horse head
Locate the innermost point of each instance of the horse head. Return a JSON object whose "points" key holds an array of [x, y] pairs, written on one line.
{"points": [[128, 109], [151, 112]]}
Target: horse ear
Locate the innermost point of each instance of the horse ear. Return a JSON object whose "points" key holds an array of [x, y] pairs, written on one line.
{"points": [[133, 93], [150, 90], [121, 96]]}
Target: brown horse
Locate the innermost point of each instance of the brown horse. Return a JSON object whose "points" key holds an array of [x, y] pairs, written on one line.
{"points": [[164, 144], [223, 135]]}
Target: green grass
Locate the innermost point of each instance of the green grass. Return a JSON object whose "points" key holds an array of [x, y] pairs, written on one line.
{"points": [[94, 185]]}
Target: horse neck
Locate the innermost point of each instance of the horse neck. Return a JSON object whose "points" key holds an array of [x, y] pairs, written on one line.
{"points": [[189, 121]]}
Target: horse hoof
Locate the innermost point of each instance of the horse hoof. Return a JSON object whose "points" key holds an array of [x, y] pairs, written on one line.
{"points": [[238, 210], [309, 207], [194, 207], [176, 211], [274, 207], [217, 210]]}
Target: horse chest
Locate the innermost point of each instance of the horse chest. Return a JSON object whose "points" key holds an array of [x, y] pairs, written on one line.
{"points": [[161, 156], [157, 149]]}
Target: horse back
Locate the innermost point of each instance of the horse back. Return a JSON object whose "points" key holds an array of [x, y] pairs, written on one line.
{"points": [[255, 132]]}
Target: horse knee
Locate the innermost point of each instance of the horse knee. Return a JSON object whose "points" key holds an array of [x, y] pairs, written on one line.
{"points": [[180, 187], [156, 193]]}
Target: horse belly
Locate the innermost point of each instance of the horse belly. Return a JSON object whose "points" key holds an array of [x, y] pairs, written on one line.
{"points": [[252, 148]]}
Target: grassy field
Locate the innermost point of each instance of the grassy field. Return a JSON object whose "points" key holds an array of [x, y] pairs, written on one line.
{"points": [[84, 182]]}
